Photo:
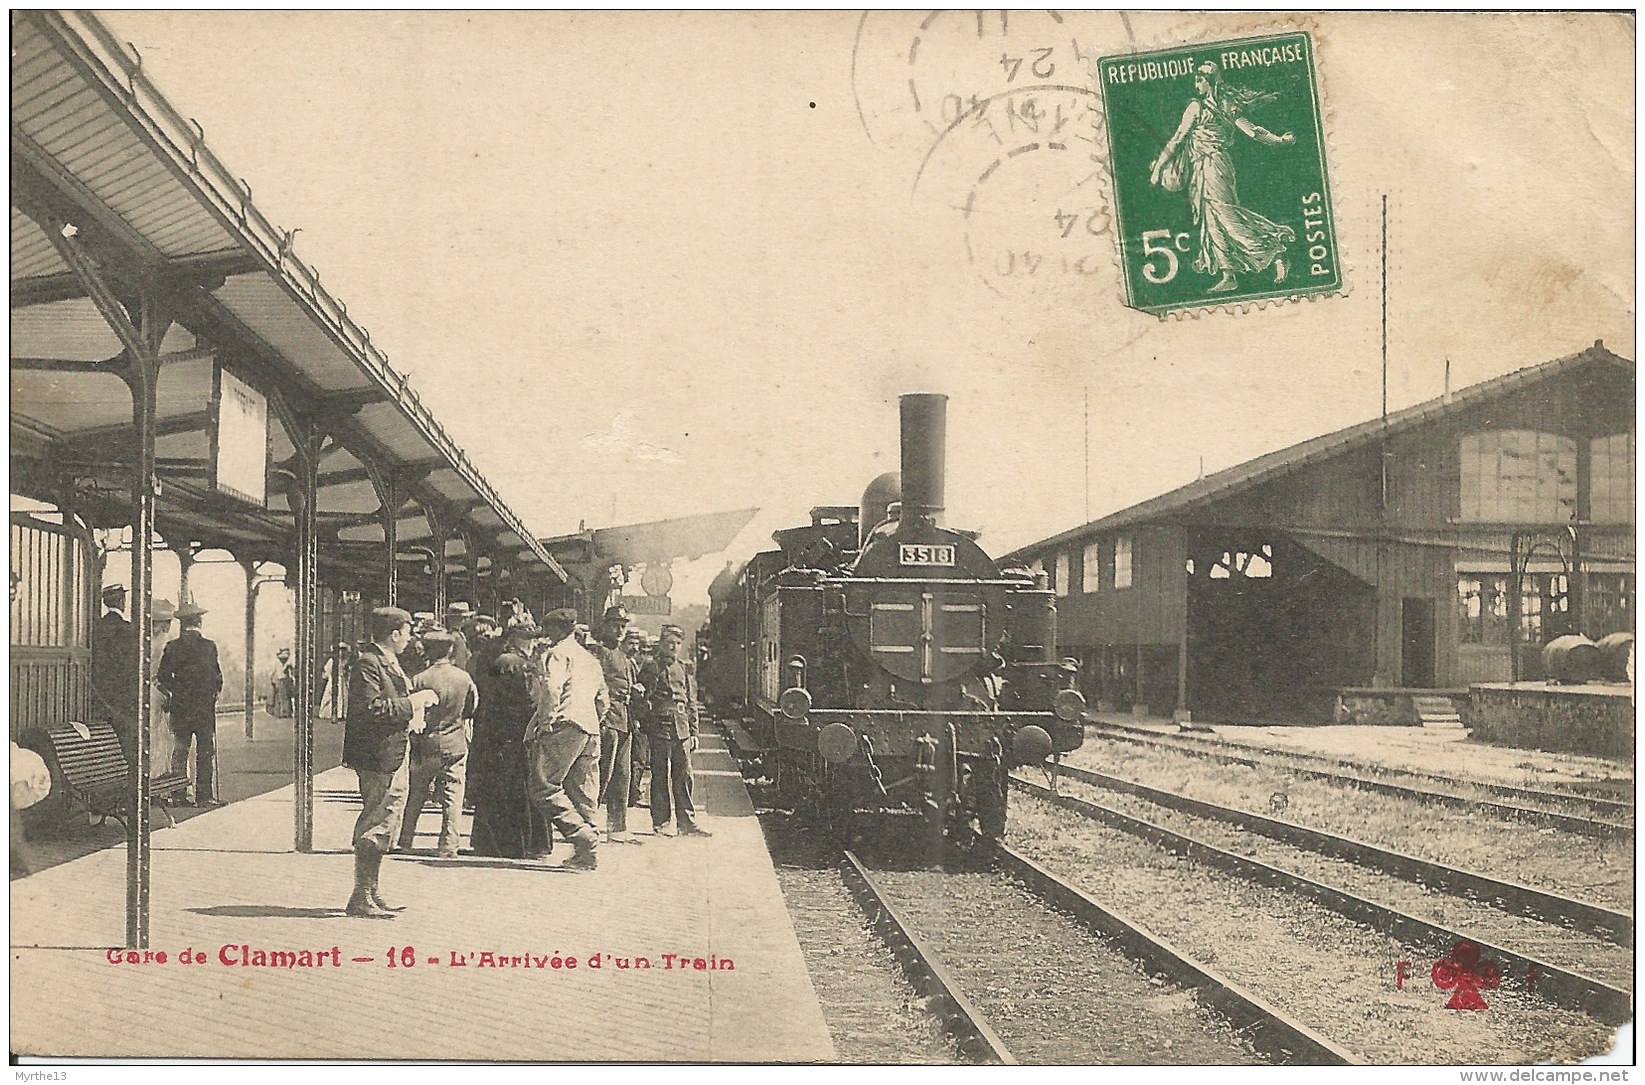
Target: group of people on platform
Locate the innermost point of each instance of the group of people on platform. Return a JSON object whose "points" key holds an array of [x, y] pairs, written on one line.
{"points": [[544, 728], [185, 679]]}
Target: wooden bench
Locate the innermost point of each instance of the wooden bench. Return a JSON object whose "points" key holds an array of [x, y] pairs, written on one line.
{"points": [[97, 774]]}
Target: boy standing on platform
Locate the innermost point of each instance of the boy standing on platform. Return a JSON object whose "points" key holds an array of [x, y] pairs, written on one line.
{"points": [[439, 756]]}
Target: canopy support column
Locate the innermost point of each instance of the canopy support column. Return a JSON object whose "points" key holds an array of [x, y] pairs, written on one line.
{"points": [[250, 567], [305, 498], [141, 373]]}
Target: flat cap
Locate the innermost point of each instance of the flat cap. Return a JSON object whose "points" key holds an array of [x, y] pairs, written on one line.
{"points": [[565, 617], [673, 631]]}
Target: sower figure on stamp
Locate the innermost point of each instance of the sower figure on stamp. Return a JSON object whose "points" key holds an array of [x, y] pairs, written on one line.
{"points": [[190, 680], [439, 755], [672, 723], [381, 707], [1233, 239], [616, 729], [563, 739]]}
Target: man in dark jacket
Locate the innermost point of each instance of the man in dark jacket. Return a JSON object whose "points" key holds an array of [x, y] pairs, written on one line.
{"points": [[114, 668], [190, 680], [381, 707]]}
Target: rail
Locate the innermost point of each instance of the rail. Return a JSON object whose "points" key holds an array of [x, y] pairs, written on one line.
{"points": [[1523, 899], [1272, 1031], [924, 969], [1560, 986]]}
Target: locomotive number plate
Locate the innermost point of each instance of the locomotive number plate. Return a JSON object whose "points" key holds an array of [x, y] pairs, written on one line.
{"points": [[913, 554]]}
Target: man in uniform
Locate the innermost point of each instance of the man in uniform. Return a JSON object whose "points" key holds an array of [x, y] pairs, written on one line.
{"points": [[563, 738], [191, 680], [381, 708], [672, 712], [616, 729], [640, 760]]}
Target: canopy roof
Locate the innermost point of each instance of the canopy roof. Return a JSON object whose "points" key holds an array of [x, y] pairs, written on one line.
{"points": [[97, 154]]}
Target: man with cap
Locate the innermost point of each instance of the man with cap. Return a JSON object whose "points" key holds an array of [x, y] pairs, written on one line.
{"points": [[616, 729], [191, 679], [639, 766], [114, 667], [672, 721], [439, 755], [381, 709], [563, 738], [458, 615], [504, 823]]}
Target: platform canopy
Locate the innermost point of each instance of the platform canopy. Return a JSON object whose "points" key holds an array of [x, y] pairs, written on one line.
{"points": [[124, 223]]}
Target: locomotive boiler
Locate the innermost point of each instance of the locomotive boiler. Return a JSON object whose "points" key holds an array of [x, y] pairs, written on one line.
{"points": [[886, 663]]}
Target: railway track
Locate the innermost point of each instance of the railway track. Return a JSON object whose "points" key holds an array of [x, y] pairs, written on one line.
{"points": [[1607, 923], [1076, 960], [1521, 804], [1562, 986]]}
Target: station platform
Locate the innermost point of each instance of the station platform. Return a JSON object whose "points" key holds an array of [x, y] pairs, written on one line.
{"points": [[1448, 751], [227, 884]]}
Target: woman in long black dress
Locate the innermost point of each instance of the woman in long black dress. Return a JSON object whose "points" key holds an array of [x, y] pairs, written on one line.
{"points": [[504, 824]]}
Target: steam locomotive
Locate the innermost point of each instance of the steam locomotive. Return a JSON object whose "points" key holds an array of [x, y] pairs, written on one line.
{"points": [[884, 662]]}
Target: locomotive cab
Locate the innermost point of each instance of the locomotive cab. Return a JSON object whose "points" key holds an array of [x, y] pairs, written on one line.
{"points": [[912, 674]]}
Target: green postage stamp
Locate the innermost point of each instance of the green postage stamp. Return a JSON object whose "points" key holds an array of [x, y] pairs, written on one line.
{"points": [[1219, 182]]}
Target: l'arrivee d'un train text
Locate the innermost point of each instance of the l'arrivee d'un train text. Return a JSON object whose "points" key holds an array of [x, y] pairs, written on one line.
{"points": [[407, 957]]}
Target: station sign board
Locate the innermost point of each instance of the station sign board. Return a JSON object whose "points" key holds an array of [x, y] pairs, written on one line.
{"points": [[239, 439], [656, 605]]}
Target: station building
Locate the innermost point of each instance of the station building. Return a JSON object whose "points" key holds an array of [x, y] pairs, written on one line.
{"points": [[1430, 551]]}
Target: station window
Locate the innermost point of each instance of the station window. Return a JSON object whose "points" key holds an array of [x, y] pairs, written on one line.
{"points": [[1482, 607], [1611, 479], [1122, 561], [1518, 477], [1061, 581], [1608, 606], [1091, 568]]}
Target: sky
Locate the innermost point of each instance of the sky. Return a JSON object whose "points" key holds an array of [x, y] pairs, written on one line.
{"points": [[646, 264]]}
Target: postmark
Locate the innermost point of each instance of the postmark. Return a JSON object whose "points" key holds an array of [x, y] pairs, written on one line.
{"points": [[1219, 183]]}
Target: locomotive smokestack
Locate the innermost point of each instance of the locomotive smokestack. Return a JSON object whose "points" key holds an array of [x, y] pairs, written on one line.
{"points": [[924, 439]]}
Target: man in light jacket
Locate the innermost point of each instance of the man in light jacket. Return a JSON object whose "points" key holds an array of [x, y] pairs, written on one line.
{"points": [[563, 738]]}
